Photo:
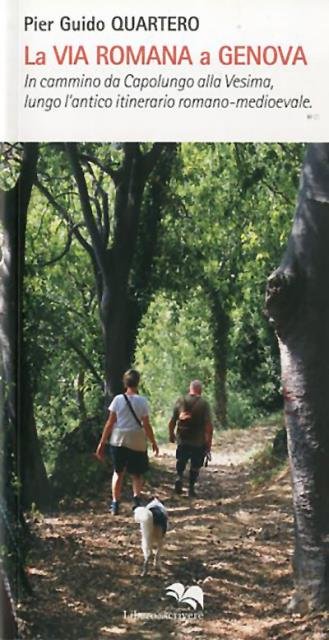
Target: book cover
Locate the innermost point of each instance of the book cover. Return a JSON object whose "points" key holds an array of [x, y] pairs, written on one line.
{"points": [[150, 165]]}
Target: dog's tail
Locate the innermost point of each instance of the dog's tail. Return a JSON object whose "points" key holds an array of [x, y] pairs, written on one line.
{"points": [[143, 515]]}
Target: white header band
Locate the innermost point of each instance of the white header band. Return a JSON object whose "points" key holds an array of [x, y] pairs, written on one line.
{"points": [[198, 71]]}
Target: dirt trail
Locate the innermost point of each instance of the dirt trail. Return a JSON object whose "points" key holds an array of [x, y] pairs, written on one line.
{"points": [[234, 541]]}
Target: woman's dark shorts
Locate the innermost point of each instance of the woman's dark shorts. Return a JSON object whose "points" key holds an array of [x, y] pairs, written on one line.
{"points": [[135, 462]]}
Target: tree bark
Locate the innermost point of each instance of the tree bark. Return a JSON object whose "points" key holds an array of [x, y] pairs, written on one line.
{"points": [[21, 441], [114, 324], [220, 328], [298, 303], [113, 262], [144, 281]]}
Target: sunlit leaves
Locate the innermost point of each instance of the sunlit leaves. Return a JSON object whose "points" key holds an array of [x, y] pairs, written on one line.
{"points": [[174, 347], [10, 164], [229, 222]]}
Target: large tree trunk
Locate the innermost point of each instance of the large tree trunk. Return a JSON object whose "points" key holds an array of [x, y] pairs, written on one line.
{"points": [[131, 261], [32, 473], [21, 441], [220, 330], [298, 302], [142, 283], [128, 202], [114, 323], [114, 261]]}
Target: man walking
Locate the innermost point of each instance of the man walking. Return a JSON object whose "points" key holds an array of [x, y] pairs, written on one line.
{"points": [[190, 426]]}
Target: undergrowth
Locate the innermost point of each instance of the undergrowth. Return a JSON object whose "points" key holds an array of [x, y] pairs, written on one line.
{"points": [[265, 465]]}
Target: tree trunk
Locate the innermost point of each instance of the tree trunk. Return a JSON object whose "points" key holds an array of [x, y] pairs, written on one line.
{"points": [[20, 433], [298, 303], [143, 282], [115, 265], [220, 357], [114, 310], [32, 473], [220, 330], [114, 323]]}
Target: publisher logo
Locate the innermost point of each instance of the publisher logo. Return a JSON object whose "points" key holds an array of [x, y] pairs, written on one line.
{"points": [[192, 596]]}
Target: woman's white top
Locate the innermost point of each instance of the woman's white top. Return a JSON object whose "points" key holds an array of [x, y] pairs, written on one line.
{"points": [[126, 431]]}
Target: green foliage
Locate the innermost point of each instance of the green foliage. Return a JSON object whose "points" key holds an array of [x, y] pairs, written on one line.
{"points": [[265, 465], [173, 348], [10, 160], [61, 328], [80, 476], [76, 471], [241, 409], [225, 217], [225, 231]]}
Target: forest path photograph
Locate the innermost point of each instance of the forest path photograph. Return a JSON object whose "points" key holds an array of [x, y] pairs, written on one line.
{"points": [[194, 267], [234, 540]]}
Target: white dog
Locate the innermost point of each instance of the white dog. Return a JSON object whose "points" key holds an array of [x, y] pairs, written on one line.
{"points": [[153, 521]]}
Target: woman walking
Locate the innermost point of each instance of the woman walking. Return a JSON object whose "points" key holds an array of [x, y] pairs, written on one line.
{"points": [[128, 427]]}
